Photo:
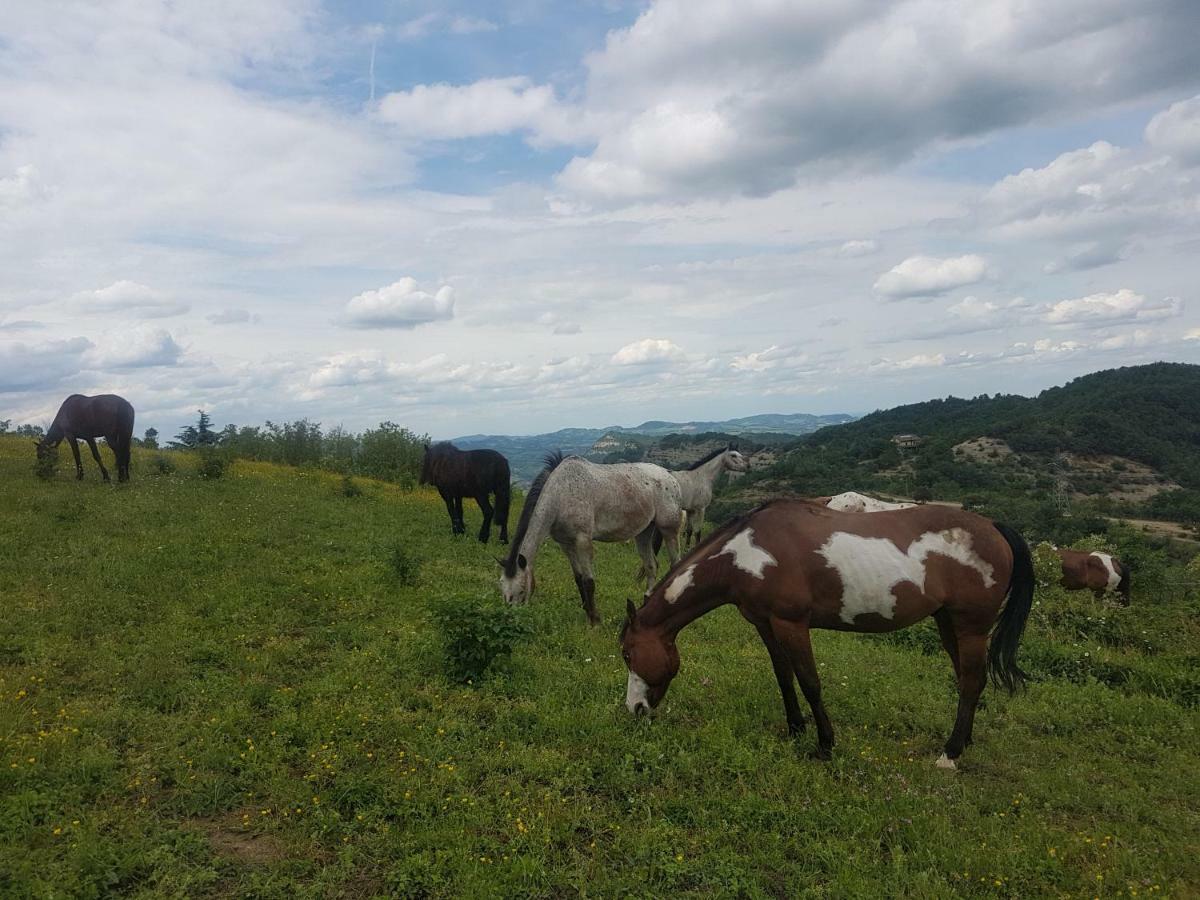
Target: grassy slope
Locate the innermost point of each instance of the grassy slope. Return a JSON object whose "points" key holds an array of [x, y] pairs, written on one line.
{"points": [[211, 688]]}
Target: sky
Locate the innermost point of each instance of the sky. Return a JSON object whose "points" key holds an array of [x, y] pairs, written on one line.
{"points": [[511, 217]]}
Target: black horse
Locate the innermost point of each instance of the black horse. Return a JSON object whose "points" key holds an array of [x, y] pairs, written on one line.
{"points": [[105, 415], [469, 473]]}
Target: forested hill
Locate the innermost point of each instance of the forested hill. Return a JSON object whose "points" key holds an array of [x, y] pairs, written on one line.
{"points": [[1149, 413]]}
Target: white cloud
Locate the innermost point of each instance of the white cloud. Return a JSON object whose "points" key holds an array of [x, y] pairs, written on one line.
{"points": [[1124, 305], [1176, 130], [648, 350], [135, 348], [230, 317], [490, 106], [400, 305], [705, 96], [471, 25], [917, 361], [345, 369], [927, 276], [22, 186], [130, 297], [45, 364], [851, 249], [772, 357]]}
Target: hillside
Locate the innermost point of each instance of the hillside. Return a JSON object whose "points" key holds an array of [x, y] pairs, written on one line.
{"points": [[525, 452], [1121, 441], [214, 688]]}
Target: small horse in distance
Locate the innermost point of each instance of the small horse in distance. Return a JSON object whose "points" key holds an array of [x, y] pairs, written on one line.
{"points": [[1101, 573], [105, 415], [794, 565], [696, 486], [469, 473], [576, 502]]}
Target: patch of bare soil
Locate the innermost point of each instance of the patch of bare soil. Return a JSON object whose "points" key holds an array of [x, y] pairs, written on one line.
{"points": [[228, 839], [983, 449]]}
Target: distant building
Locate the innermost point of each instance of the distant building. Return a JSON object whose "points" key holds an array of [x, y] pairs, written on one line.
{"points": [[907, 441]]}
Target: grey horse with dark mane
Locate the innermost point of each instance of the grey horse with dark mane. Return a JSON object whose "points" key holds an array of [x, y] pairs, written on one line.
{"points": [[576, 502], [105, 415]]}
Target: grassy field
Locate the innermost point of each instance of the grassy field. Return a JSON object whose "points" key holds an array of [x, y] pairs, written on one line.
{"points": [[219, 688]]}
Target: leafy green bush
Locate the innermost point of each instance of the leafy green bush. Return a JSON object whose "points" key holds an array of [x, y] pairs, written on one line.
{"points": [[476, 633], [163, 464], [213, 465], [47, 463], [349, 487], [402, 566]]}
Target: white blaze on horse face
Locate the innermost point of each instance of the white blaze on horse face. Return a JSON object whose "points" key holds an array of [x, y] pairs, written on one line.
{"points": [[1114, 577], [871, 567], [746, 555], [682, 582], [636, 693]]}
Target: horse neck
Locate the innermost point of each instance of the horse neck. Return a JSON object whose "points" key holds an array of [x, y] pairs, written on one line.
{"points": [[705, 594], [55, 433], [710, 471], [540, 523]]}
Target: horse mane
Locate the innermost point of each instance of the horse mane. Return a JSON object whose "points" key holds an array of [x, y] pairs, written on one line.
{"points": [[551, 461], [707, 458]]}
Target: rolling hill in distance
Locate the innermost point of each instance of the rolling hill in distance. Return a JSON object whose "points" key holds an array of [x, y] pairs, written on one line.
{"points": [[525, 452]]}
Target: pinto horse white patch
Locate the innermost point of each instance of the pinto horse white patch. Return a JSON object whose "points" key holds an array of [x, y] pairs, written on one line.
{"points": [[871, 567], [682, 582], [1114, 577], [747, 556]]}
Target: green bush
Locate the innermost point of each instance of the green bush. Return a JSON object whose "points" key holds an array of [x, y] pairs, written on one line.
{"points": [[475, 634], [46, 465], [164, 465], [213, 465], [349, 487], [402, 566]]}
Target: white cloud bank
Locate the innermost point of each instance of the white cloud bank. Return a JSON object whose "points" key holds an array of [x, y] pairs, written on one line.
{"points": [[400, 304], [928, 276]]}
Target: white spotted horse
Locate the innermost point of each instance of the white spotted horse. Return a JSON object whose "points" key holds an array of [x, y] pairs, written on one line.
{"points": [[794, 565]]}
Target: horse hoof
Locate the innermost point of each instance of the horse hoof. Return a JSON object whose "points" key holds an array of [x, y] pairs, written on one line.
{"points": [[945, 762], [824, 754]]}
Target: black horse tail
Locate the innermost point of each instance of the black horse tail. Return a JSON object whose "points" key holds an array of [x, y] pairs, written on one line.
{"points": [[1124, 585], [1006, 636], [503, 498], [658, 540]]}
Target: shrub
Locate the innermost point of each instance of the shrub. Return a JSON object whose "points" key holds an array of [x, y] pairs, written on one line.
{"points": [[402, 566], [213, 464], [475, 634], [46, 465], [163, 464], [349, 487]]}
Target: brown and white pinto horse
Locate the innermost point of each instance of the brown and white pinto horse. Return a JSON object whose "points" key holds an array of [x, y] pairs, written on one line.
{"points": [[793, 565], [1097, 572]]}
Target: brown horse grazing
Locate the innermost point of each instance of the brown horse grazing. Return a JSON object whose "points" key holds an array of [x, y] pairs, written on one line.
{"points": [[1101, 573], [105, 415], [792, 565], [469, 473]]}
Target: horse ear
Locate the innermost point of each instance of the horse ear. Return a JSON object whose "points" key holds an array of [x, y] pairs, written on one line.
{"points": [[522, 562], [630, 610]]}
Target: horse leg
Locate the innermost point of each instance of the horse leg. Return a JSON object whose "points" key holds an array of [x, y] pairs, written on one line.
{"points": [[74, 444], [786, 678], [579, 554], [91, 442], [795, 639], [645, 548], [460, 524], [486, 508], [448, 499], [695, 528], [949, 639], [972, 672]]}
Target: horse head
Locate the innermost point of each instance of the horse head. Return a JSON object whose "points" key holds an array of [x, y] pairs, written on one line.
{"points": [[652, 661], [735, 461], [516, 579]]}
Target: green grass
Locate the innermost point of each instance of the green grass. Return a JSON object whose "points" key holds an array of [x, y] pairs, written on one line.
{"points": [[220, 687]]}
